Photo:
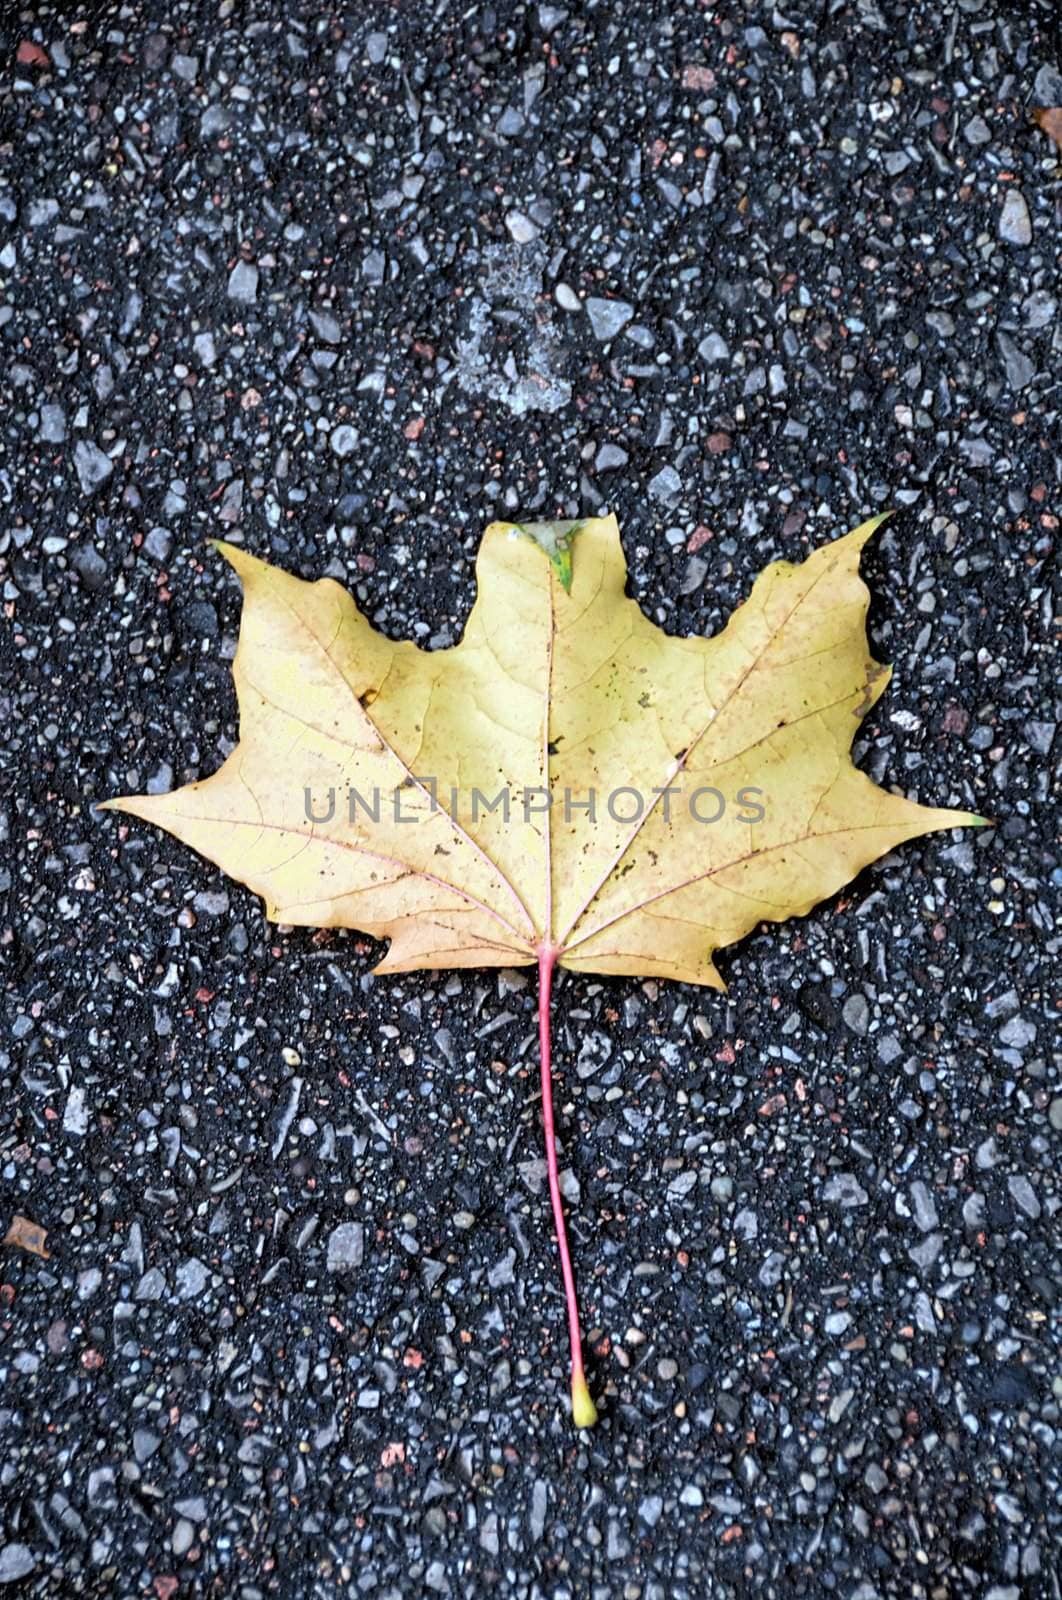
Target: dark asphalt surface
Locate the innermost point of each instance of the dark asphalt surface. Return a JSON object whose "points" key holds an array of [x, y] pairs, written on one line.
{"points": [[342, 285]]}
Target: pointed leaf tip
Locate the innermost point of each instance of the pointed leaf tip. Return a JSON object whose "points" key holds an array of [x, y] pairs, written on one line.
{"points": [[556, 539], [237, 558], [245, 565], [866, 530]]}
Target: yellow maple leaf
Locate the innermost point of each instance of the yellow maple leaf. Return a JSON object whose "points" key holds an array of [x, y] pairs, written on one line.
{"points": [[567, 785]]}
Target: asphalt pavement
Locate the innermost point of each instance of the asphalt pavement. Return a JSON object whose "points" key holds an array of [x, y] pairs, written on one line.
{"points": [[343, 284]]}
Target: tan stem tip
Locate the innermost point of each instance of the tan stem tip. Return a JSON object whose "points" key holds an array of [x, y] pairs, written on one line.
{"points": [[584, 1411]]}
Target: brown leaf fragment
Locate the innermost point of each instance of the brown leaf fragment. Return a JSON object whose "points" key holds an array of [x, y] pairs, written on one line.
{"points": [[29, 1236], [1049, 119]]}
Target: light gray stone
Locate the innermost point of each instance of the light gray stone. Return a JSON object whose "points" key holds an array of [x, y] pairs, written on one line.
{"points": [[845, 1190], [16, 1561], [192, 1278], [243, 283], [608, 317], [501, 1273], [152, 1285], [609, 457], [326, 326], [91, 465], [856, 1013], [713, 347], [1015, 224], [925, 1254], [75, 1113], [1020, 368], [40, 212], [1024, 1195], [521, 229], [923, 1207], [53, 424], [343, 440], [666, 484], [346, 1247], [158, 543], [1017, 1034]]}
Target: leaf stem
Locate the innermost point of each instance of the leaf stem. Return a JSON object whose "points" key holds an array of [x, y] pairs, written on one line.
{"points": [[584, 1412]]}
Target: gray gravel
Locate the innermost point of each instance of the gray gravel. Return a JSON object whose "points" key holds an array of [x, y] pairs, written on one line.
{"points": [[342, 285]]}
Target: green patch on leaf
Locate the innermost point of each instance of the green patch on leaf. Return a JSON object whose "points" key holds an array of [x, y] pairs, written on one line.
{"points": [[556, 539]]}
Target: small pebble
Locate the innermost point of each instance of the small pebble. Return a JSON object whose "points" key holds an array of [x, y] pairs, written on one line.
{"points": [[343, 440], [521, 229], [53, 424], [16, 1561], [608, 317], [713, 347], [158, 543], [346, 1247], [665, 484], [856, 1013], [923, 1207], [1014, 223], [93, 467], [1019, 367], [243, 283], [845, 1190], [1024, 1195]]}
